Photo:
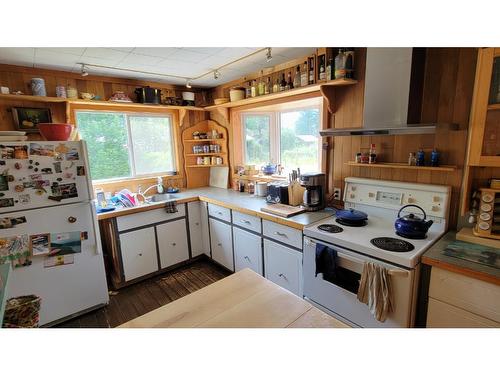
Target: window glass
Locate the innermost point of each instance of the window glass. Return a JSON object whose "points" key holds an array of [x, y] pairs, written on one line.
{"points": [[152, 144], [257, 139], [299, 139], [107, 143], [125, 146]]}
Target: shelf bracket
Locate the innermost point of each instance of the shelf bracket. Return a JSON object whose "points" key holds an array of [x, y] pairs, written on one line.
{"points": [[328, 93], [182, 115]]}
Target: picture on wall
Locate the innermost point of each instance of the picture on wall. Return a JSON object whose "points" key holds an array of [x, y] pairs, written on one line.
{"points": [[27, 119]]}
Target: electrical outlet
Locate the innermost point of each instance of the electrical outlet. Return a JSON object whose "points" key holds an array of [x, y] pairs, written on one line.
{"points": [[337, 193]]}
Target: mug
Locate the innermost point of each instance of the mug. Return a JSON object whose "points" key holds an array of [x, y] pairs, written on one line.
{"points": [[71, 93], [38, 87], [60, 91]]}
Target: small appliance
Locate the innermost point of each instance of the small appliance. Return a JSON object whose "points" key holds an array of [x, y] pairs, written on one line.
{"points": [[277, 192], [488, 220], [314, 195]]}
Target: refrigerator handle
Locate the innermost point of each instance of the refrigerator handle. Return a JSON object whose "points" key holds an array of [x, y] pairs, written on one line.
{"points": [[97, 234]]}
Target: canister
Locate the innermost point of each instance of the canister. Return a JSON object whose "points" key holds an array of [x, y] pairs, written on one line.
{"points": [[38, 87]]}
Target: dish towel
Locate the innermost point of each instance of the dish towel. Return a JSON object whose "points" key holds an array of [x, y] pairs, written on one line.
{"points": [[171, 207], [375, 290], [326, 262]]}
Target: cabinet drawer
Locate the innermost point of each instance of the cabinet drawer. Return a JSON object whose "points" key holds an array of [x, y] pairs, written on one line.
{"points": [[443, 315], [222, 243], [219, 212], [282, 233], [283, 266], [172, 243], [195, 228], [247, 251], [148, 217], [138, 250], [247, 221], [476, 296]]}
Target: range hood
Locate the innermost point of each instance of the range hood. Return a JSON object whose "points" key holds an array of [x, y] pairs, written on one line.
{"points": [[386, 97]]}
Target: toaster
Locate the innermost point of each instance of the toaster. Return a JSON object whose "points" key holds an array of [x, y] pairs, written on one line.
{"points": [[277, 192]]}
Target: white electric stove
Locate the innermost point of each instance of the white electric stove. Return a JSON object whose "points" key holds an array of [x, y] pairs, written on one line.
{"points": [[376, 242]]}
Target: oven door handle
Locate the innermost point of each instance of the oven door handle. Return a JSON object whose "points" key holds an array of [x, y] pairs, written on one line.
{"points": [[391, 271]]}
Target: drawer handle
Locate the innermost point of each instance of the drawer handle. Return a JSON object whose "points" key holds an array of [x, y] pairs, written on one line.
{"points": [[280, 234], [247, 258], [196, 223], [246, 221], [173, 244], [72, 219], [282, 276], [219, 244], [220, 213], [140, 254]]}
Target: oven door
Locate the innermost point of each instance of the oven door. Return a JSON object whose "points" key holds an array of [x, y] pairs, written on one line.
{"points": [[342, 299]]}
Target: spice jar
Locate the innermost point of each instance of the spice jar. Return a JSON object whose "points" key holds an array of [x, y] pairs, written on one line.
{"points": [[250, 188]]}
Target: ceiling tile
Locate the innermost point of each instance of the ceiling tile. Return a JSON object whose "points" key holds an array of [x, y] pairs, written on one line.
{"points": [[23, 56], [206, 50], [50, 57], [163, 52], [69, 50], [135, 59], [123, 49], [105, 54], [56, 66], [236, 52], [188, 56]]}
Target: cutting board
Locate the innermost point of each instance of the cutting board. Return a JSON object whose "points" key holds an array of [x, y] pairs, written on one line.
{"points": [[282, 210], [219, 177]]}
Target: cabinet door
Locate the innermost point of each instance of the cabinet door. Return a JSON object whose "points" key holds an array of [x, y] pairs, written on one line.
{"points": [[222, 243], [195, 231], [283, 266], [247, 251], [205, 233], [172, 243], [138, 249]]}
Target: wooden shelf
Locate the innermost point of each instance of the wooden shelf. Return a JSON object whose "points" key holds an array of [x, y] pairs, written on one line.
{"points": [[50, 99], [442, 168], [208, 154], [284, 94], [494, 107], [203, 140], [206, 166]]}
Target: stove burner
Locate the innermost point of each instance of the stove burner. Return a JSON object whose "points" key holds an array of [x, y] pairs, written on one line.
{"points": [[332, 228], [352, 223], [392, 244], [412, 237]]}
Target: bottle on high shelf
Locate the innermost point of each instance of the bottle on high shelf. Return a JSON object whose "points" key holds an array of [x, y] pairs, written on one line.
{"points": [[254, 89], [340, 64], [349, 62], [311, 71], [296, 79], [372, 155], [283, 83], [322, 70], [329, 68], [268, 87], [276, 86], [248, 90], [289, 83], [303, 75], [261, 83]]}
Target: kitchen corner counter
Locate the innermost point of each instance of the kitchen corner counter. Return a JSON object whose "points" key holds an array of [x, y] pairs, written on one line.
{"points": [[436, 258], [231, 199]]}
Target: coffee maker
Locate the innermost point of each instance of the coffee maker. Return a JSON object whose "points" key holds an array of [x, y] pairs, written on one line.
{"points": [[314, 195]]}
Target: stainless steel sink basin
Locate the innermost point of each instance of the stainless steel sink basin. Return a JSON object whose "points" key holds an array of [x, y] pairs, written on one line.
{"points": [[162, 197]]}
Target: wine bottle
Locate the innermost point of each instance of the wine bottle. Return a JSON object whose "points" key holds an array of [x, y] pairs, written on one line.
{"points": [[289, 83], [276, 87], [254, 89], [283, 83], [303, 75], [329, 69], [311, 71], [268, 88], [322, 71], [296, 79]]}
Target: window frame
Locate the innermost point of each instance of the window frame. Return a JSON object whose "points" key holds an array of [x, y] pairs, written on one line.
{"points": [[130, 148], [275, 129]]}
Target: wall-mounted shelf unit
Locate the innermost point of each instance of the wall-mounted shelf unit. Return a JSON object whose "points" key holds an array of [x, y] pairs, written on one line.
{"points": [[442, 168], [32, 98], [284, 94], [198, 175]]}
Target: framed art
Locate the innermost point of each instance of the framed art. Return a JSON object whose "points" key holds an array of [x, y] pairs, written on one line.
{"points": [[27, 119]]}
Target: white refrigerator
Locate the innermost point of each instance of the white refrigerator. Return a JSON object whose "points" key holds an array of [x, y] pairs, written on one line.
{"points": [[48, 227]]}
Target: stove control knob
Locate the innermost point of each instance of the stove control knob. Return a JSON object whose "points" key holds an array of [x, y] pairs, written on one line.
{"points": [[352, 196], [435, 208], [435, 198], [411, 200], [371, 195], [353, 188]]}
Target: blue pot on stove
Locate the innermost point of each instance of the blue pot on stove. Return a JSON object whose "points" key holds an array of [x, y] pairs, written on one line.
{"points": [[412, 226]]}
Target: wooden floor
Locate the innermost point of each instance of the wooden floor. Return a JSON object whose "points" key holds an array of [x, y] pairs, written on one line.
{"points": [[140, 298]]}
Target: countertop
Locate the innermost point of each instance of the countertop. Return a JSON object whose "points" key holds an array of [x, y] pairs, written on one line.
{"points": [[243, 300], [231, 199], [436, 258]]}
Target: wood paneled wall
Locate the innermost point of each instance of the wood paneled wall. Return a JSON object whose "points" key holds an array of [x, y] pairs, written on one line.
{"points": [[447, 98], [18, 78]]}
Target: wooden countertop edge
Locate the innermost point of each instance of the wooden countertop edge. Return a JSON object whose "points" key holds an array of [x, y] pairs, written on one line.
{"points": [[263, 215], [463, 271]]}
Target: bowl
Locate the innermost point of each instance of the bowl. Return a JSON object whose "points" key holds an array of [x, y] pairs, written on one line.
{"points": [[55, 132], [237, 93], [87, 95]]}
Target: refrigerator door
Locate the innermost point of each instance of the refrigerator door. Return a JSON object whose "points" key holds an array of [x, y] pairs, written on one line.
{"points": [[42, 174], [65, 289]]}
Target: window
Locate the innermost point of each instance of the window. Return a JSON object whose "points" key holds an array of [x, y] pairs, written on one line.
{"points": [[124, 146], [290, 138]]}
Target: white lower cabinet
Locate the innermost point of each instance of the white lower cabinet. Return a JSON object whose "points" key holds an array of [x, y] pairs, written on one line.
{"points": [[195, 228], [247, 251], [138, 249], [172, 243], [205, 232], [283, 266], [222, 243]]}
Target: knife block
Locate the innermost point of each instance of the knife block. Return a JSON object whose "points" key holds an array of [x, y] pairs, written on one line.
{"points": [[295, 194]]}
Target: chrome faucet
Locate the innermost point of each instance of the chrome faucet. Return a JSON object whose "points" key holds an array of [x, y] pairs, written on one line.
{"points": [[159, 187]]}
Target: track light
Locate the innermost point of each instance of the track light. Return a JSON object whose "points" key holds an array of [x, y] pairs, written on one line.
{"points": [[216, 74], [269, 56], [84, 71], [188, 83]]}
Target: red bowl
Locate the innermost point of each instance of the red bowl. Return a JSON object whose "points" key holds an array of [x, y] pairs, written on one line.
{"points": [[55, 132]]}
